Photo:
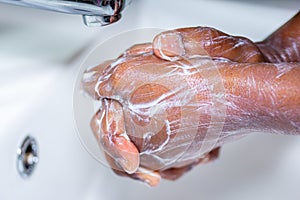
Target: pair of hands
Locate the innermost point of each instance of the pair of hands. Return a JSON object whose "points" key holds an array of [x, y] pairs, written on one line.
{"points": [[159, 116]]}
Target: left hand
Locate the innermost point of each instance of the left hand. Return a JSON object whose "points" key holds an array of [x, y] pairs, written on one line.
{"points": [[152, 112]]}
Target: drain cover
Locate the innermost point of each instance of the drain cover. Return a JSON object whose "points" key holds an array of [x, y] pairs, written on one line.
{"points": [[27, 157]]}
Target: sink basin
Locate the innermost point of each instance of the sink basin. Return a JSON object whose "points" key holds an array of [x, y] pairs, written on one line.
{"points": [[40, 60]]}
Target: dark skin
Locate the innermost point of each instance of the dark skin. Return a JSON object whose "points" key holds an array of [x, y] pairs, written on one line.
{"points": [[260, 84]]}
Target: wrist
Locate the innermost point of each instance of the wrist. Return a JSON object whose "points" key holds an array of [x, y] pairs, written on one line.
{"points": [[262, 96]]}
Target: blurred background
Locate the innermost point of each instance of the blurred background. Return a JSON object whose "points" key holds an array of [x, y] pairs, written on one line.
{"points": [[40, 56]]}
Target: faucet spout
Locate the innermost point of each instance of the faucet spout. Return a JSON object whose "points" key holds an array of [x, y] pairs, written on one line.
{"points": [[94, 12]]}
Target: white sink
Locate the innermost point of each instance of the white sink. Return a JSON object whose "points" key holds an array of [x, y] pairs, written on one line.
{"points": [[36, 87]]}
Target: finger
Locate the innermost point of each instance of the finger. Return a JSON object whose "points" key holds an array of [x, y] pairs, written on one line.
{"points": [[91, 78], [115, 140], [109, 129], [96, 81], [175, 173], [115, 166], [205, 41], [149, 177], [210, 156], [138, 49]]}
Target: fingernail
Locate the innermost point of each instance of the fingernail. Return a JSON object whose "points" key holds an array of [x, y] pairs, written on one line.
{"points": [[129, 165], [170, 45], [128, 155]]}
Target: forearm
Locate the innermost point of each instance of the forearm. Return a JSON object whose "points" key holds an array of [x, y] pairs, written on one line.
{"points": [[284, 44], [262, 96]]}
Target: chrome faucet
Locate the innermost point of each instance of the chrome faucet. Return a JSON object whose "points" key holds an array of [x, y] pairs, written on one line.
{"points": [[94, 12]]}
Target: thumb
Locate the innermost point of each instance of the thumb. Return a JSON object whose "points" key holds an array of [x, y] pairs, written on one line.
{"points": [[205, 41]]}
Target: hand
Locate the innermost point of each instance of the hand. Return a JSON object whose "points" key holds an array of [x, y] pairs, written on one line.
{"points": [[281, 46], [159, 112], [156, 115]]}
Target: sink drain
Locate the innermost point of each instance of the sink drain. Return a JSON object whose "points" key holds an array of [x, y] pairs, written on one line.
{"points": [[27, 157]]}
